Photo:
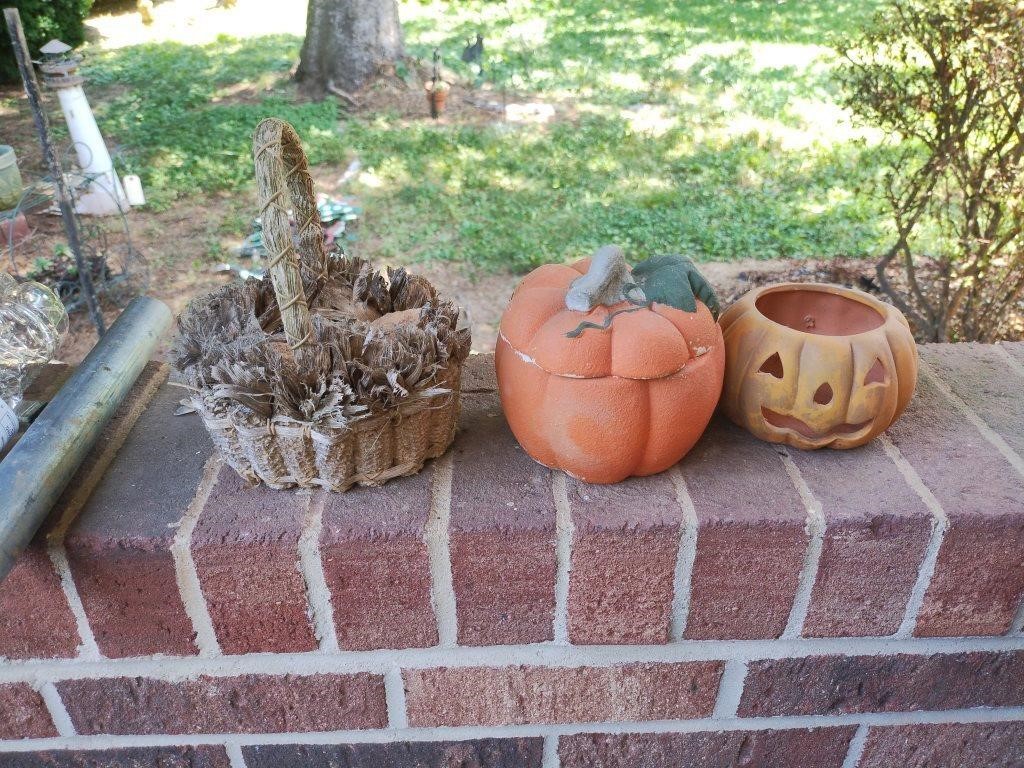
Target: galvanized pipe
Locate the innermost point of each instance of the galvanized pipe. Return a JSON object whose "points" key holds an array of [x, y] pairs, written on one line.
{"points": [[41, 464]]}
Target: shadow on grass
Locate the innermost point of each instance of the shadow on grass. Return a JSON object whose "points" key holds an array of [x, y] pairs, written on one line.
{"points": [[624, 50]]}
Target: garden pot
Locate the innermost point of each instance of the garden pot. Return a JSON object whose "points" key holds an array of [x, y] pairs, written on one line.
{"points": [[599, 381], [436, 99], [10, 178], [814, 365]]}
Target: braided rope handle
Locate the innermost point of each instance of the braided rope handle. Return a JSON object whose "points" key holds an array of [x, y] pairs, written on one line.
{"points": [[282, 177]]}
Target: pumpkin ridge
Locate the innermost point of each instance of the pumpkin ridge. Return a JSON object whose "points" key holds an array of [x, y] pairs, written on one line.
{"points": [[520, 321], [904, 389], [664, 348], [852, 352], [588, 356], [799, 367], [542, 396], [729, 317], [648, 448], [519, 353], [752, 350]]}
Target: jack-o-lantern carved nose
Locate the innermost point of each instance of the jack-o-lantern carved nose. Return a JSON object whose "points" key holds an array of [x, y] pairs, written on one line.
{"points": [[876, 375], [824, 394], [772, 366]]}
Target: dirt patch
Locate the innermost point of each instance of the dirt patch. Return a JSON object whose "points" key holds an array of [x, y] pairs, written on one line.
{"points": [[182, 246], [176, 250]]}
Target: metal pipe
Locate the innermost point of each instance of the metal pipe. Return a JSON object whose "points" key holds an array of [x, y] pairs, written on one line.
{"points": [[41, 464]]}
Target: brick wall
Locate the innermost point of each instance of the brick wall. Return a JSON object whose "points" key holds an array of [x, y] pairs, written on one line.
{"points": [[752, 606]]}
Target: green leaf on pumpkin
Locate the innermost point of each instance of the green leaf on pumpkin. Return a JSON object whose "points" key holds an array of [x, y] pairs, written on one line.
{"points": [[675, 281]]}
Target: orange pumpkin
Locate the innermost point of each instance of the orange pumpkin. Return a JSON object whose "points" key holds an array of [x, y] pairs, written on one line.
{"points": [[599, 382], [814, 365]]}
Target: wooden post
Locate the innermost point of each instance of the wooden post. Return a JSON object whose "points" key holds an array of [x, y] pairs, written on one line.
{"points": [[64, 202]]}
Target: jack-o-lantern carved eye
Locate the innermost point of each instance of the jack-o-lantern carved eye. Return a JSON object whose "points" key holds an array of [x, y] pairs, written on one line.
{"points": [[876, 375], [772, 366]]}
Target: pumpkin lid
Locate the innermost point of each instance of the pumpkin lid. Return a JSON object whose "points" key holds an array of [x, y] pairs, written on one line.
{"points": [[593, 319]]}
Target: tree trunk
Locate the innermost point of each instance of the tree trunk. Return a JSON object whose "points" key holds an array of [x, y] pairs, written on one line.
{"points": [[347, 43]]}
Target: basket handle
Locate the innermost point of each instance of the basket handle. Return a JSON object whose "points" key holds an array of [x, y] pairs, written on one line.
{"points": [[282, 177]]}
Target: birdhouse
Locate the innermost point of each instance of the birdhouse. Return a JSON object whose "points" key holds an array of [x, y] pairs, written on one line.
{"points": [[60, 65]]}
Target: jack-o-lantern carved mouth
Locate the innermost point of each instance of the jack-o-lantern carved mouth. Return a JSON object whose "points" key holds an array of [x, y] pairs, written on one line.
{"points": [[784, 421]]}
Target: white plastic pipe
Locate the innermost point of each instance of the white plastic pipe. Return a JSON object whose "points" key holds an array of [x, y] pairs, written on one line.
{"points": [[133, 189], [104, 195]]}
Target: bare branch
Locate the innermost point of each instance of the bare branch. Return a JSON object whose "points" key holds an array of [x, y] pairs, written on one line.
{"points": [[948, 77]]}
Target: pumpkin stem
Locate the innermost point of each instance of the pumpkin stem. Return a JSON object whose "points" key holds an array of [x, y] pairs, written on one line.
{"points": [[607, 282]]}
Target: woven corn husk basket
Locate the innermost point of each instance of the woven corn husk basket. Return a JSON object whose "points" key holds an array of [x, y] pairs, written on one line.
{"points": [[325, 373]]}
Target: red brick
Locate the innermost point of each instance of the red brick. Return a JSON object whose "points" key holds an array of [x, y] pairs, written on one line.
{"points": [[978, 579], [153, 376], [983, 378], [502, 533], [624, 555], [751, 538], [23, 713], [518, 695], [946, 745], [35, 619], [120, 545], [244, 704], [818, 748], [246, 550], [134, 757], [130, 598], [1015, 350], [484, 753], [377, 566], [876, 533], [832, 685]]}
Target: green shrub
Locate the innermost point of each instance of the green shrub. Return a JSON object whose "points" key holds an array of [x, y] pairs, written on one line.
{"points": [[43, 21], [945, 80]]}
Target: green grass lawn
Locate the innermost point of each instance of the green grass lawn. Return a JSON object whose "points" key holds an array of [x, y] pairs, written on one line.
{"points": [[708, 128]]}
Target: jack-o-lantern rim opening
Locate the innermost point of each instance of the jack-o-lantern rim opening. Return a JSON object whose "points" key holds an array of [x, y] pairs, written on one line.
{"points": [[821, 309]]}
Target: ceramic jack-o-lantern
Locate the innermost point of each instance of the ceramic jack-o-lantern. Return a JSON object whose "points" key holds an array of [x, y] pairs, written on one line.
{"points": [[814, 365], [606, 372]]}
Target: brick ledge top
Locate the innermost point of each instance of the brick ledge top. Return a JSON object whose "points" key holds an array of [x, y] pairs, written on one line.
{"points": [[962, 437], [918, 533]]}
